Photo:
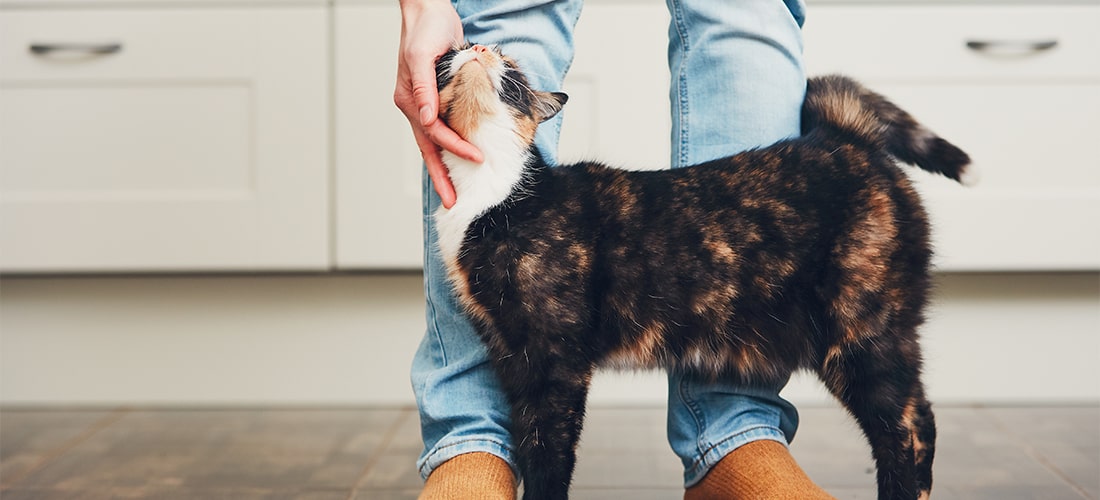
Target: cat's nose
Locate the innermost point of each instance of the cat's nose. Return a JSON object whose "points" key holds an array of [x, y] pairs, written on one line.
{"points": [[479, 48]]}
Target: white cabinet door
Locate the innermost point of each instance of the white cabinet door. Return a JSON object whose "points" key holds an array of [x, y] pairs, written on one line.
{"points": [[618, 109], [378, 168], [181, 140]]}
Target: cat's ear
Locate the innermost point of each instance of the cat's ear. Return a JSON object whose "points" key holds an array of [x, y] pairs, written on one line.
{"points": [[548, 104]]}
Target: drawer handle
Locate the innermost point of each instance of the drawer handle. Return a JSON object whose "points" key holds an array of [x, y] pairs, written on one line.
{"points": [[83, 48], [1011, 45]]}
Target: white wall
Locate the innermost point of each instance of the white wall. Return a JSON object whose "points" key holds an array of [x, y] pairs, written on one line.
{"points": [[348, 339]]}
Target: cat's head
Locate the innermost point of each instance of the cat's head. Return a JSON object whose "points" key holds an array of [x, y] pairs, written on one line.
{"points": [[481, 89]]}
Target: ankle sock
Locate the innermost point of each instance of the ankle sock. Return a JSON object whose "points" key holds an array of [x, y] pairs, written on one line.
{"points": [[760, 470], [471, 476]]}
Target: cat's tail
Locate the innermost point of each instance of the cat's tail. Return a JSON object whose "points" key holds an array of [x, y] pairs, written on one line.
{"points": [[841, 105]]}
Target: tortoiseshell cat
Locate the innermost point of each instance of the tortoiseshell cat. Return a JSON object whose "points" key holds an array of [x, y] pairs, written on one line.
{"points": [[812, 253]]}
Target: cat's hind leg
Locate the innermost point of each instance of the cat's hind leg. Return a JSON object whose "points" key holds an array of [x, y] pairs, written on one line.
{"points": [[878, 380], [548, 404], [923, 427]]}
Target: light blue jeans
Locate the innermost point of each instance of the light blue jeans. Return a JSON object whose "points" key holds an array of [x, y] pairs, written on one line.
{"points": [[737, 83]]}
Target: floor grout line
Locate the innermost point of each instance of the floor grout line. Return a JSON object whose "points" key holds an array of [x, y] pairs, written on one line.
{"points": [[382, 448], [93, 429], [1035, 454]]}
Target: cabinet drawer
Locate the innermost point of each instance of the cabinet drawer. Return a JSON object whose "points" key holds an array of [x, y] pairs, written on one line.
{"points": [[916, 42], [163, 139], [1028, 119]]}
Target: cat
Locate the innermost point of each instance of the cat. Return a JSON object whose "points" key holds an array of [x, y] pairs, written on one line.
{"points": [[812, 253]]}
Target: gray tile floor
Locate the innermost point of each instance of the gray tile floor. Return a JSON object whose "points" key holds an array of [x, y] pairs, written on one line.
{"points": [[319, 454]]}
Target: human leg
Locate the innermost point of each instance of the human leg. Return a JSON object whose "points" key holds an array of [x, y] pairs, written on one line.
{"points": [[462, 407], [737, 83], [737, 76]]}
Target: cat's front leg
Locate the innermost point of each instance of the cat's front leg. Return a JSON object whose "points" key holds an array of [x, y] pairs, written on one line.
{"points": [[548, 400]]}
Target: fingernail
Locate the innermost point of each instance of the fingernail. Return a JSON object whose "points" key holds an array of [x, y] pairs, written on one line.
{"points": [[425, 115]]}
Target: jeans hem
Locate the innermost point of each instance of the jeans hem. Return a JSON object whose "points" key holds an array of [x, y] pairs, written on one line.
{"points": [[719, 450], [447, 451]]}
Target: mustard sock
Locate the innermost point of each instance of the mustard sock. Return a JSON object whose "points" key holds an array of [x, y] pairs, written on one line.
{"points": [[760, 470], [471, 476]]}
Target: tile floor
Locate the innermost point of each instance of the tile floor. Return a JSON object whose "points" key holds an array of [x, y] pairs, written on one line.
{"points": [[1046, 453]]}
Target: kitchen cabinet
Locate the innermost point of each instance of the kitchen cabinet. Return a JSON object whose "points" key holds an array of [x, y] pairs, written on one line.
{"points": [[263, 137], [164, 139]]}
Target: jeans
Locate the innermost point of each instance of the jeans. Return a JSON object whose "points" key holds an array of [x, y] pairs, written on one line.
{"points": [[737, 83]]}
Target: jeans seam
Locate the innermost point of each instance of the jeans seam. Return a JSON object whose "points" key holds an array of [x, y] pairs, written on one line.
{"points": [[573, 19], [429, 224], [682, 93], [696, 415], [684, 112], [435, 330]]}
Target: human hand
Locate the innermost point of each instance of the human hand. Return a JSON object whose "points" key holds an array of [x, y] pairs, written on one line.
{"points": [[428, 29]]}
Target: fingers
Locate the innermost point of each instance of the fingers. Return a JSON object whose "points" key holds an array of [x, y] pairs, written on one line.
{"points": [[430, 139], [420, 103], [429, 29], [441, 181], [444, 137]]}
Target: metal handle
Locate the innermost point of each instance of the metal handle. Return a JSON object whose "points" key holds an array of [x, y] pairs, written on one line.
{"points": [[83, 48], [1012, 45]]}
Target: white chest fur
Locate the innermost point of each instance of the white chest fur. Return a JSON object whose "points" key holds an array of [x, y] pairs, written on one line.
{"points": [[480, 187]]}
